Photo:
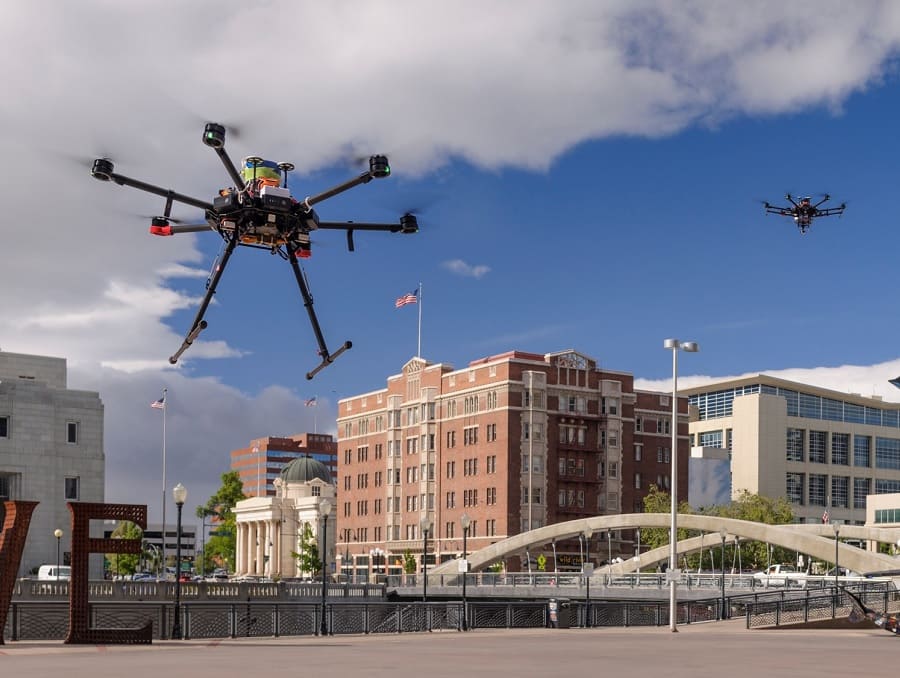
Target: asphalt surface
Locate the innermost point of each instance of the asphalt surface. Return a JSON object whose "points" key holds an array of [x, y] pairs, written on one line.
{"points": [[714, 649]]}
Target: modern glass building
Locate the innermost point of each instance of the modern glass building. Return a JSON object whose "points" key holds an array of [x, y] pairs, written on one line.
{"points": [[823, 450]]}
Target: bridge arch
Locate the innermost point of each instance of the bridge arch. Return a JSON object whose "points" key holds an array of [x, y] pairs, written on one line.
{"points": [[814, 540]]}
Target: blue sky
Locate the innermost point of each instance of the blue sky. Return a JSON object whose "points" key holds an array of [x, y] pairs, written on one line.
{"points": [[590, 176]]}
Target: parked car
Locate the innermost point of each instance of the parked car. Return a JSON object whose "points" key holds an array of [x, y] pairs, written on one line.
{"points": [[780, 575], [54, 572]]}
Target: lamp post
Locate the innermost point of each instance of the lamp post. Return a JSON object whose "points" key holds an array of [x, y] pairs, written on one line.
{"points": [[425, 523], [587, 568], [723, 533], [58, 533], [465, 521], [673, 573], [324, 510], [179, 494], [837, 542]]}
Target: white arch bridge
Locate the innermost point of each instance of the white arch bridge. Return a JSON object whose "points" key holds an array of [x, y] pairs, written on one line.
{"points": [[812, 539]]}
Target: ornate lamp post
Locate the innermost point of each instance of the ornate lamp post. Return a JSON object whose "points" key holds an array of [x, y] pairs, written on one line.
{"points": [[465, 521], [324, 510], [588, 569], [179, 494], [673, 573], [58, 533], [837, 543], [723, 533], [425, 523]]}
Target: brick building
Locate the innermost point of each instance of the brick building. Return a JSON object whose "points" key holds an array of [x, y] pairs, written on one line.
{"points": [[516, 441], [260, 463]]}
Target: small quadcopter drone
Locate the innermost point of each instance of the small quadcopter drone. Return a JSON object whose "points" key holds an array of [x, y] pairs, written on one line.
{"points": [[804, 211], [259, 211]]}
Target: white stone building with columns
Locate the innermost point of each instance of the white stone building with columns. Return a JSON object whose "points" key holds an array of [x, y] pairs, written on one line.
{"points": [[269, 528]]}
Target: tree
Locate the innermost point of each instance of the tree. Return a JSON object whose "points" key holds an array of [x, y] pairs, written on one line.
{"points": [[125, 564], [409, 562], [759, 509], [658, 501], [221, 546], [308, 561]]}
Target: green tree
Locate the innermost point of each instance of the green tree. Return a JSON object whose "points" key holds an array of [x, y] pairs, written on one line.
{"points": [[125, 564], [308, 561], [759, 509], [221, 545], [658, 501], [409, 562]]}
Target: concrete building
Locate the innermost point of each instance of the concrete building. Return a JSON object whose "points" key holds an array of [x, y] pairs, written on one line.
{"points": [[51, 451], [261, 462], [270, 529], [823, 450], [515, 441]]}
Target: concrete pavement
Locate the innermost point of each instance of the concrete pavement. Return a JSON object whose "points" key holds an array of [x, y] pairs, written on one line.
{"points": [[724, 649]]}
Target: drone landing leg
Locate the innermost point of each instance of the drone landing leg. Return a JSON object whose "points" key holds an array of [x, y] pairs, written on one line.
{"points": [[199, 323], [327, 358]]}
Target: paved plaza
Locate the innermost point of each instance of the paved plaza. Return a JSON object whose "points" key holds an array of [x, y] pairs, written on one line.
{"points": [[716, 649]]}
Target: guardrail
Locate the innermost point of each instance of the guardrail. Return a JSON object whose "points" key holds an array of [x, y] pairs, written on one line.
{"points": [[816, 605]]}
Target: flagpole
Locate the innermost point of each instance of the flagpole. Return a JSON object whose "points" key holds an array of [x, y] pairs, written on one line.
{"points": [[164, 408], [316, 415], [419, 344]]}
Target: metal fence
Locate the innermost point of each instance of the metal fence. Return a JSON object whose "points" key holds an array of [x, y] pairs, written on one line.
{"points": [[817, 605], [44, 620]]}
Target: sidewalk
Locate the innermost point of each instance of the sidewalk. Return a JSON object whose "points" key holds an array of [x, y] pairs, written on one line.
{"points": [[724, 649]]}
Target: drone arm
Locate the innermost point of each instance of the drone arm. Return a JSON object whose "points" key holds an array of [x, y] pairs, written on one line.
{"points": [[230, 168], [378, 169], [166, 193], [831, 211], [327, 358], [199, 323], [363, 178], [354, 226]]}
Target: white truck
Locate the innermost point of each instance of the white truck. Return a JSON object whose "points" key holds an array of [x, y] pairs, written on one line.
{"points": [[780, 575]]}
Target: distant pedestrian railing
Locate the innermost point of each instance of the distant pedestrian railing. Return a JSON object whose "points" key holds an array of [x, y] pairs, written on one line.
{"points": [[818, 605]]}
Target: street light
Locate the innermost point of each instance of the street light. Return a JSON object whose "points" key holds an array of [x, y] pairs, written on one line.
{"points": [[587, 568], [425, 523], [673, 573], [324, 510], [465, 521], [723, 533], [58, 533], [837, 534], [179, 494]]}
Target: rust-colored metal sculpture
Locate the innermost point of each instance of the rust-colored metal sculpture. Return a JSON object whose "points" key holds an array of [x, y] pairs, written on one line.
{"points": [[16, 519], [83, 545]]}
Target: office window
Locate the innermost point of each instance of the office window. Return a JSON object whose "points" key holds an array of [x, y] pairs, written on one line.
{"points": [[72, 432], [4, 488], [840, 488], [861, 487], [72, 489], [817, 453], [840, 449], [4, 427], [817, 489], [638, 449], [862, 451], [795, 488], [794, 444]]}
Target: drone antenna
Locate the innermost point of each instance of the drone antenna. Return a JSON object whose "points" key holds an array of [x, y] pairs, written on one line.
{"points": [[255, 161], [285, 167]]}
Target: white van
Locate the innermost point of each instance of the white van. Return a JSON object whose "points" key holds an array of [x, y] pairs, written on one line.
{"points": [[52, 573]]}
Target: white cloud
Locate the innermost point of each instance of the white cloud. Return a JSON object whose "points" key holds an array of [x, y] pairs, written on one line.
{"points": [[867, 380], [460, 267]]}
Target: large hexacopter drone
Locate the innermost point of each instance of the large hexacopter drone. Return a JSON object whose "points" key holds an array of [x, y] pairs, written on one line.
{"points": [[259, 211]]}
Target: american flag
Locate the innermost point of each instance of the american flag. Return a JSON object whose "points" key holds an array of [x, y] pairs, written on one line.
{"points": [[310, 402], [159, 404], [825, 516], [408, 298]]}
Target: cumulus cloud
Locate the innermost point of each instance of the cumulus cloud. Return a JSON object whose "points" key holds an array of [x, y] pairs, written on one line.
{"points": [[460, 267], [867, 380], [508, 84]]}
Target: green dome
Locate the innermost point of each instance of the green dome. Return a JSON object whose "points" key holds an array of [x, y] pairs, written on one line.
{"points": [[304, 469]]}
